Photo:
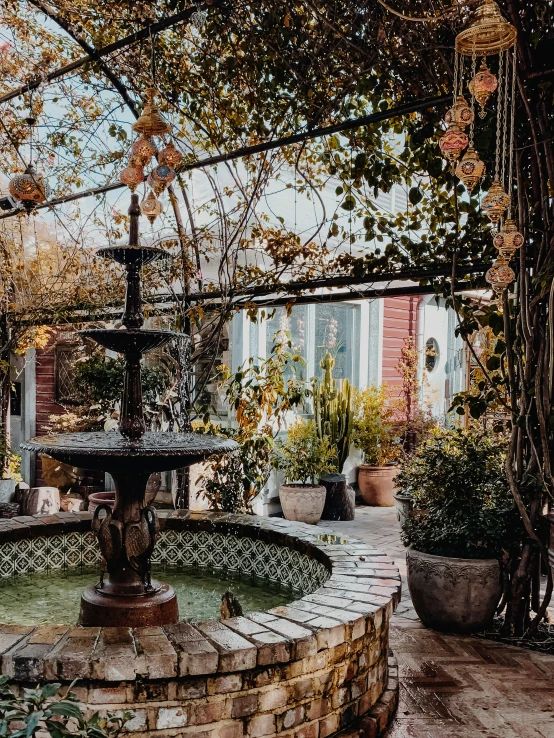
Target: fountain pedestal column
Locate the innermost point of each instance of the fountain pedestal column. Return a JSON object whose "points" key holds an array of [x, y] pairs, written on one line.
{"points": [[128, 595]]}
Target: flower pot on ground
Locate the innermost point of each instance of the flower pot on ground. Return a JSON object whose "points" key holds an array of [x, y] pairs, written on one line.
{"points": [[7, 490], [377, 485], [451, 594], [404, 506], [465, 524], [101, 498], [375, 434], [302, 458], [302, 502]]}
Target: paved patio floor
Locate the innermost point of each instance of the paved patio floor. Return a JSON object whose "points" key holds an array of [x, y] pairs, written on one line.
{"points": [[454, 686]]}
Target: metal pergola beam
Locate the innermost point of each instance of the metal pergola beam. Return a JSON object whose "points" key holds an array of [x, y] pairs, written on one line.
{"points": [[157, 308], [346, 125], [430, 272]]}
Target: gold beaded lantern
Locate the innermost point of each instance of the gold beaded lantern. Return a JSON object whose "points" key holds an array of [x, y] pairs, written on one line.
{"points": [[170, 156], [470, 169], [151, 122], [487, 33], [29, 188], [508, 240], [453, 142], [142, 151], [151, 207], [500, 276], [496, 202], [131, 176], [482, 86]]}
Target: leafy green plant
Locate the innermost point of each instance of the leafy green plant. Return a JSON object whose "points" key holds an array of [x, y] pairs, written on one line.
{"points": [[260, 394], [303, 457], [11, 468], [374, 429], [37, 711], [99, 381], [463, 507], [333, 410]]}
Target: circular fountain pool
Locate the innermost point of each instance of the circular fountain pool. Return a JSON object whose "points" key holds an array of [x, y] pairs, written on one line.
{"points": [[53, 598], [306, 668]]}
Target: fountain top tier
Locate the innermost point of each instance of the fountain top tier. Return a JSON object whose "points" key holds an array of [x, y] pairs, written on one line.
{"points": [[113, 451]]}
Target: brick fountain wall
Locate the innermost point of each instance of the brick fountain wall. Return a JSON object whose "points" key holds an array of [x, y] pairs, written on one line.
{"points": [[310, 669]]}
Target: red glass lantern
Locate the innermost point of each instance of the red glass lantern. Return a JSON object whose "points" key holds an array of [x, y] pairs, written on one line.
{"points": [[453, 142]]}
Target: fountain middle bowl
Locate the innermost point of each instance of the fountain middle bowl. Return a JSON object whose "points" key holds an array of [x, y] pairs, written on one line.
{"points": [[114, 453], [130, 340]]}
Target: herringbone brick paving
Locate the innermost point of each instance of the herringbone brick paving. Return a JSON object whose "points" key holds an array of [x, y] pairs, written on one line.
{"points": [[454, 686]]}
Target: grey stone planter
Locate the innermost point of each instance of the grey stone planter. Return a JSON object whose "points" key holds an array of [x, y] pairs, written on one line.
{"points": [[453, 595], [7, 490], [404, 506]]}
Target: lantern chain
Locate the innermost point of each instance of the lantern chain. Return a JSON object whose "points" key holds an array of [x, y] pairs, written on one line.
{"points": [[505, 121], [512, 130], [498, 116], [456, 73], [472, 99]]}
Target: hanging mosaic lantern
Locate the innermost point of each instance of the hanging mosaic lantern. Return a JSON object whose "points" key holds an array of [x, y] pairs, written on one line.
{"points": [[453, 142], [142, 151], [460, 114], [470, 169], [170, 156], [132, 176], [29, 188], [160, 177], [495, 202], [482, 87], [151, 122], [500, 276], [508, 240], [151, 207]]}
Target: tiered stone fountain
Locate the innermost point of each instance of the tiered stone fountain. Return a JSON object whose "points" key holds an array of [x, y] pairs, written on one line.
{"points": [[127, 536], [308, 669]]}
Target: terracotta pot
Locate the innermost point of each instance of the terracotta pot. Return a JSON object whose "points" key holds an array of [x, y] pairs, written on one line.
{"points": [[453, 595], [376, 484], [101, 498], [302, 502]]}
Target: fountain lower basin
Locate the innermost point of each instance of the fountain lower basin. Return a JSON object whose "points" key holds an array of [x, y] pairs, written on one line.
{"points": [[307, 668]]}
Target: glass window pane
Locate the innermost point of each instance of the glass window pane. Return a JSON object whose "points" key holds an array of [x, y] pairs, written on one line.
{"points": [[337, 332]]}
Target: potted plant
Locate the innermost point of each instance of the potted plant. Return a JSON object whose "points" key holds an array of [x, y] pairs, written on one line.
{"points": [[302, 458], [375, 434], [465, 523]]}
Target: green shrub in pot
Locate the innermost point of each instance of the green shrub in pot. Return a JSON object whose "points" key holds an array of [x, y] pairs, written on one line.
{"points": [[302, 458], [464, 522], [376, 434], [456, 479]]}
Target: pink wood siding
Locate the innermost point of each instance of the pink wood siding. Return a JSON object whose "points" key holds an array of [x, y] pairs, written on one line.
{"points": [[46, 391], [399, 321]]}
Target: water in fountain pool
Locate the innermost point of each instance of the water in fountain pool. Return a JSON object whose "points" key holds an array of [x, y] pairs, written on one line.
{"points": [[37, 599]]}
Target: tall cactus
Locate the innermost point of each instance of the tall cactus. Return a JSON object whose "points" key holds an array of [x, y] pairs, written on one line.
{"points": [[333, 409]]}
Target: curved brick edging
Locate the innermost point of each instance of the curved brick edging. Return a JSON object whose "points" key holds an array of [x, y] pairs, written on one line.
{"points": [[378, 719], [307, 669]]}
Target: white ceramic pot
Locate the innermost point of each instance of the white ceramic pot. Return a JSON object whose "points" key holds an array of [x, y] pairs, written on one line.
{"points": [[302, 502]]}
